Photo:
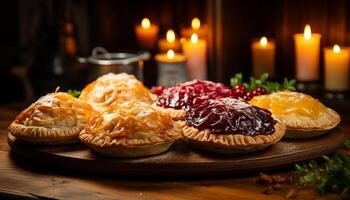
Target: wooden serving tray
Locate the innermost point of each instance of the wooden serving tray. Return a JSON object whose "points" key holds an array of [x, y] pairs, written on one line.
{"points": [[182, 159]]}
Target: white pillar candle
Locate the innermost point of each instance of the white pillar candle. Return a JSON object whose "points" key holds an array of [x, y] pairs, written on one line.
{"points": [[195, 51], [336, 62], [307, 54], [263, 54], [171, 68]]}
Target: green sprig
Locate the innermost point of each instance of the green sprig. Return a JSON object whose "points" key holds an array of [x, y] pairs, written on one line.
{"points": [[263, 81], [74, 93], [333, 175]]}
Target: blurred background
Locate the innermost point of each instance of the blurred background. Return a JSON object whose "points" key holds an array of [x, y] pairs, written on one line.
{"points": [[41, 39]]}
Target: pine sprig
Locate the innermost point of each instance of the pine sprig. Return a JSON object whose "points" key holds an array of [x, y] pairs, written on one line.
{"points": [[74, 93], [263, 81], [333, 175]]}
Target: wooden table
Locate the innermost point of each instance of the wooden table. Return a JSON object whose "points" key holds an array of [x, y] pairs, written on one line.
{"points": [[23, 179]]}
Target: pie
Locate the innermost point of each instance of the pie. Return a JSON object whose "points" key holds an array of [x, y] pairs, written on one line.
{"points": [[111, 89], [229, 125], [179, 98], [56, 118], [303, 115], [132, 129]]}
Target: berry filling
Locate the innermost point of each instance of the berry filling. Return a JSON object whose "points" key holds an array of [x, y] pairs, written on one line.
{"points": [[183, 96], [230, 116]]}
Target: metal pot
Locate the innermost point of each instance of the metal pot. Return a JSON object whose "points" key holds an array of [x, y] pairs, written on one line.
{"points": [[103, 62]]}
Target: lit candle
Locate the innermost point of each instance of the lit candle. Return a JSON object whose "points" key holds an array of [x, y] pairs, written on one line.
{"points": [[263, 53], [336, 62], [171, 68], [196, 27], [147, 34], [195, 51], [307, 54], [169, 43]]}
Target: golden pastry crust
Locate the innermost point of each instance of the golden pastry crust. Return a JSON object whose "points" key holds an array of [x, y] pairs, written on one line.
{"points": [[230, 143], [175, 114], [132, 129], [55, 118], [111, 89], [302, 127], [310, 120]]}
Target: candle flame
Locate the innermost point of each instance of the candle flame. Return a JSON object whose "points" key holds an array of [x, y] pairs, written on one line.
{"points": [[336, 49], [307, 32], [194, 38], [145, 23], [170, 54], [196, 23], [263, 41], [170, 36]]}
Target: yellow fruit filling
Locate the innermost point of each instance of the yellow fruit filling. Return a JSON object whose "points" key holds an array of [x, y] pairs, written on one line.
{"points": [[290, 103]]}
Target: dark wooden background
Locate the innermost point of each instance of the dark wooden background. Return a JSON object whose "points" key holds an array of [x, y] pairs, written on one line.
{"points": [[30, 28]]}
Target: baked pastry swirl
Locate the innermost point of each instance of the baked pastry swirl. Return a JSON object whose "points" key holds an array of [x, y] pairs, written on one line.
{"points": [[111, 89], [303, 115], [56, 118], [229, 125], [131, 129]]}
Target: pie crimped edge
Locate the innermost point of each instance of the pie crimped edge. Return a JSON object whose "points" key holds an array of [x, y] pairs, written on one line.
{"points": [[305, 127], [125, 147], [230, 143], [43, 135], [174, 114]]}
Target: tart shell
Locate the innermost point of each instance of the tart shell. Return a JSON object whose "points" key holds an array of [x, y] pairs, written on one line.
{"points": [[42, 135], [230, 143], [175, 114], [304, 127], [124, 147]]}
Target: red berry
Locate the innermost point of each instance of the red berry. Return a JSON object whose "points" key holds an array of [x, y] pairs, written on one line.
{"points": [[240, 87], [158, 90], [238, 93], [261, 90]]}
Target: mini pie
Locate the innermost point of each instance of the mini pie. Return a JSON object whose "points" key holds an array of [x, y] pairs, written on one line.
{"points": [[56, 118], [179, 98], [132, 129], [304, 116], [229, 125], [111, 89]]}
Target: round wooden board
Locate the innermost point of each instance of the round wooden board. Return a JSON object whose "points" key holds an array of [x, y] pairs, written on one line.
{"points": [[182, 159]]}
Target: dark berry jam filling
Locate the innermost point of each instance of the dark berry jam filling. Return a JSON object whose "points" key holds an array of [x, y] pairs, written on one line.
{"points": [[184, 95], [230, 116]]}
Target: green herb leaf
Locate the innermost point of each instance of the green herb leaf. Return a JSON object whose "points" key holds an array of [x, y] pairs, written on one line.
{"points": [[347, 143], [263, 81], [332, 175], [74, 93]]}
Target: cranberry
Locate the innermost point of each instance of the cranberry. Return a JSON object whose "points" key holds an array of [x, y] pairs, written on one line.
{"points": [[230, 116], [238, 93], [184, 95], [239, 86], [261, 90], [158, 90]]}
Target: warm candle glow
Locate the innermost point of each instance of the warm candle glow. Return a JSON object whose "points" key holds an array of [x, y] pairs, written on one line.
{"points": [[307, 32], [145, 23], [170, 54], [336, 49], [170, 36], [194, 38], [263, 41], [196, 23]]}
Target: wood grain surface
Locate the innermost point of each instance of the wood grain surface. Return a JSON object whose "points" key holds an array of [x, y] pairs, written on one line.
{"points": [[182, 159], [28, 179]]}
